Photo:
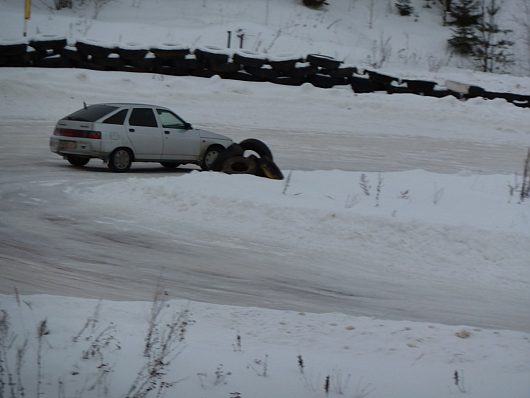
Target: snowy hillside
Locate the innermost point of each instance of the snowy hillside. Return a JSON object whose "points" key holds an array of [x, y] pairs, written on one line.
{"points": [[364, 33]]}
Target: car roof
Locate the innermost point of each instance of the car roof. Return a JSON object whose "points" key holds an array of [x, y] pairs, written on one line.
{"points": [[126, 104]]}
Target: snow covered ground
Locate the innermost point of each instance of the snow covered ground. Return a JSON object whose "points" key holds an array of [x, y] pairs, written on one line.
{"points": [[393, 259]]}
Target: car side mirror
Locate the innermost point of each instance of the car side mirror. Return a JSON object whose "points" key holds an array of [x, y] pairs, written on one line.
{"points": [[187, 126]]}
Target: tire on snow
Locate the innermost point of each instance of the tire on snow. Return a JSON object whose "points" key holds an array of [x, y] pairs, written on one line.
{"points": [[252, 144], [231, 151], [240, 165]]}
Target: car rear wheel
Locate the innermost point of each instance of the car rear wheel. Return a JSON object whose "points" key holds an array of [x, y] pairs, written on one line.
{"points": [[210, 156], [120, 160], [77, 161]]}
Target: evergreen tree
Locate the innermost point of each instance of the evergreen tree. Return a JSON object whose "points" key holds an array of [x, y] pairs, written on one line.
{"points": [[404, 7], [492, 47], [465, 15]]}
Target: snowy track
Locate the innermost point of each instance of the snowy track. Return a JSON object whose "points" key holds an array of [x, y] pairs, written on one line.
{"points": [[51, 243]]}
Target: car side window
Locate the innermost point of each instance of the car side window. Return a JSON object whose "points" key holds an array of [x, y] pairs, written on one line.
{"points": [[118, 118], [142, 117], [169, 120]]}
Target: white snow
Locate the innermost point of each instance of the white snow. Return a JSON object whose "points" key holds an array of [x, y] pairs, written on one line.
{"points": [[399, 206]]}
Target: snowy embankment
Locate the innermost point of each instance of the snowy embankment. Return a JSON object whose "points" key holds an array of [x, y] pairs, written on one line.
{"points": [[417, 224], [96, 348]]}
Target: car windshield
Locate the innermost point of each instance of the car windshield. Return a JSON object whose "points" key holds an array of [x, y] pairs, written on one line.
{"points": [[91, 113]]}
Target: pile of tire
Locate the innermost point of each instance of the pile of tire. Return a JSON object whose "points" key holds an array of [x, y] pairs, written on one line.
{"points": [[236, 160], [47, 52], [14, 54]]}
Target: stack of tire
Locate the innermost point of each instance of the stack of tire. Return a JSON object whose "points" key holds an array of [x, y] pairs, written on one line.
{"points": [[96, 56], [328, 72], [173, 59], [47, 52], [234, 160], [132, 58], [14, 54], [252, 67]]}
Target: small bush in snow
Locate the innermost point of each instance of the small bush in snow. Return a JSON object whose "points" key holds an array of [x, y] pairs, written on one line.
{"points": [[314, 3]]}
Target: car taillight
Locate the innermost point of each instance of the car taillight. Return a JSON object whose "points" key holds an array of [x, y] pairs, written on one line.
{"points": [[94, 135]]}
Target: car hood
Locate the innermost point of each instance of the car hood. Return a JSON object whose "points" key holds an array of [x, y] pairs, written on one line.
{"points": [[212, 135]]}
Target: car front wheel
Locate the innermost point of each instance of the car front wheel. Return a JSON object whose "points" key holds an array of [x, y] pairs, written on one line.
{"points": [[77, 161], [120, 160], [210, 156]]}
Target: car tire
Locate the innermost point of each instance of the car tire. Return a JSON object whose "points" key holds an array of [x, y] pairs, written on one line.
{"points": [[77, 161], [232, 150], [252, 144], [120, 160], [170, 165], [240, 165], [210, 156]]}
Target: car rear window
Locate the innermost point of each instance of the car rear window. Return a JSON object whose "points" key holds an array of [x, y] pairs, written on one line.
{"points": [[118, 118], [91, 113]]}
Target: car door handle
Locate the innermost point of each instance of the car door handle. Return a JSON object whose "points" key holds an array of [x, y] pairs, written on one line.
{"points": [[167, 132], [131, 130]]}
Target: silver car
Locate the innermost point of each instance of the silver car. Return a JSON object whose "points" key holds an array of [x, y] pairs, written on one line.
{"points": [[120, 134]]}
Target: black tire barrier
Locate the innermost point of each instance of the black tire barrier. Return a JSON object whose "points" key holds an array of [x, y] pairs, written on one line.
{"points": [[289, 81], [229, 152], [398, 90], [169, 53], [442, 94], [262, 73], [254, 145], [323, 61], [21, 60], [91, 66], [381, 81], [53, 45], [244, 76], [420, 86], [54, 61], [319, 70], [71, 55], [210, 58], [475, 91], [187, 63], [202, 73], [285, 66], [13, 50], [109, 63], [303, 72], [146, 64], [267, 168], [131, 54], [248, 61], [340, 72], [519, 100], [362, 85], [172, 71], [227, 68], [91, 51], [324, 81]]}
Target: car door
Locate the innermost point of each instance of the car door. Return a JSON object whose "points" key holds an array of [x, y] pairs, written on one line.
{"points": [[145, 134], [180, 142]]}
